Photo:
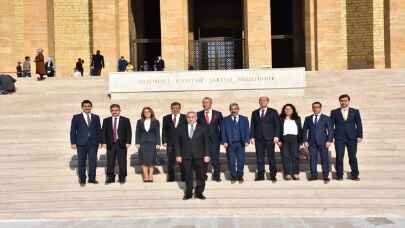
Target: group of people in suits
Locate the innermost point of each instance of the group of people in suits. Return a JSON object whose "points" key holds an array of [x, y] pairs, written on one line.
{"points": [[192, 141]]}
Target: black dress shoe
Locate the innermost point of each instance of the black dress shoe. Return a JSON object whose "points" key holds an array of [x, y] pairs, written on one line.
{"points": [[122, 180], [233, 179], [273, 179], [259, 177], [82, 183], [171, 180], [93, 182], [356, 178], [339, 178], [216, 178], [241, 180], [313, 178], [200, 196], [326, 179], [110, 181], [187, 197]]}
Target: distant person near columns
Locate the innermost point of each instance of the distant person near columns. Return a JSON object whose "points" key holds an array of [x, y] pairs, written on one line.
{"points": [[97, 64]]}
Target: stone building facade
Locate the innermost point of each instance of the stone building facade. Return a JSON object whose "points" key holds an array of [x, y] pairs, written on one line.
{"points": [[207, 34]]}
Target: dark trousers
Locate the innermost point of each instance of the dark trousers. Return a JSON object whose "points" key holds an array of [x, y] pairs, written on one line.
{"points": [[290, 156], [264, 148], [89, 153], [171, 164], [236, 158], [117, 153], [196, 166], [340, 153], [314, 150], [214, 149]]}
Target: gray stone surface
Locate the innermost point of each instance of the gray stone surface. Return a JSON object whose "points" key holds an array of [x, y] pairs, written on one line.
{"points": [[214, 222]]}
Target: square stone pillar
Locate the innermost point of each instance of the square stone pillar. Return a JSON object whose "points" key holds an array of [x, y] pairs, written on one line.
{"points": [[257, 20], [110, 31], [174, 33], [396, 39]]}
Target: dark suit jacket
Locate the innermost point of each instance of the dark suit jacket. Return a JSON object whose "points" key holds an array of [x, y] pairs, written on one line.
{"points": [[350, 129], [299, 127], [124, 132], [97, 61], [265, 128], [214, 127], [194, 148], [169, 132], [227, 125], [320, 133], [151, 137], [81, 134]]}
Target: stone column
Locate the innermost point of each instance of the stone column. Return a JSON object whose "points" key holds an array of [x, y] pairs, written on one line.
{"points": [[174, 33], [311, 56], [72, 34], [397, 31], [331, 38], [257, 20]]}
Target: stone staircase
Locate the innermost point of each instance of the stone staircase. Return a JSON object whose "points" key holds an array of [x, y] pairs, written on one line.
{"points": [[38, 168]]}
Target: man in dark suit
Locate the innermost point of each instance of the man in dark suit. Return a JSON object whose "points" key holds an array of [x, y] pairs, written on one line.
{"points": [[116, 137], [212, 119], [85, 137], [97, 63], [235, 137], [265, 130], [192, 151], [171, 123], [318, 137], [348, 130]]}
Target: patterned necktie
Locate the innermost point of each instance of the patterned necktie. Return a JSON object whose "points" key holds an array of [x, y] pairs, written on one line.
{"points": [[115, 138], [88, 119], [207, 118], [262, 114], [316, 119]]}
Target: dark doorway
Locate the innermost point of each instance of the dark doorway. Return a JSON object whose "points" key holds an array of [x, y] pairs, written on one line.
{"points": [[216, 28], [287, 29], [146, 42]]}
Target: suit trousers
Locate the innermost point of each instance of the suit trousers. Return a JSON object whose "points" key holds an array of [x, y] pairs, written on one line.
{"points": [[340, 153], [214, 153], [193, 165], [117, 153], [263, 148], [290, 156], [236, 159], [171, 163], [314, 150], [87, 153]]}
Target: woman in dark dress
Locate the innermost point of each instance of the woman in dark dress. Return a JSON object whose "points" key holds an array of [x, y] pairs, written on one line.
{"points": [[291, 139], [147, 140]]}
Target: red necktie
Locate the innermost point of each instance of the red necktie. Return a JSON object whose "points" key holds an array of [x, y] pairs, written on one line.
{"points": [[207, 118]]}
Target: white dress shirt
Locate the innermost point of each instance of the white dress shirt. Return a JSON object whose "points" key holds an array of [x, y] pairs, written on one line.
{"points": [[209, 115], [290, 127], [314, 115], [85, 117], [194, 125], [146, 124], [264, 113], [177, 116], [237, 118]]}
